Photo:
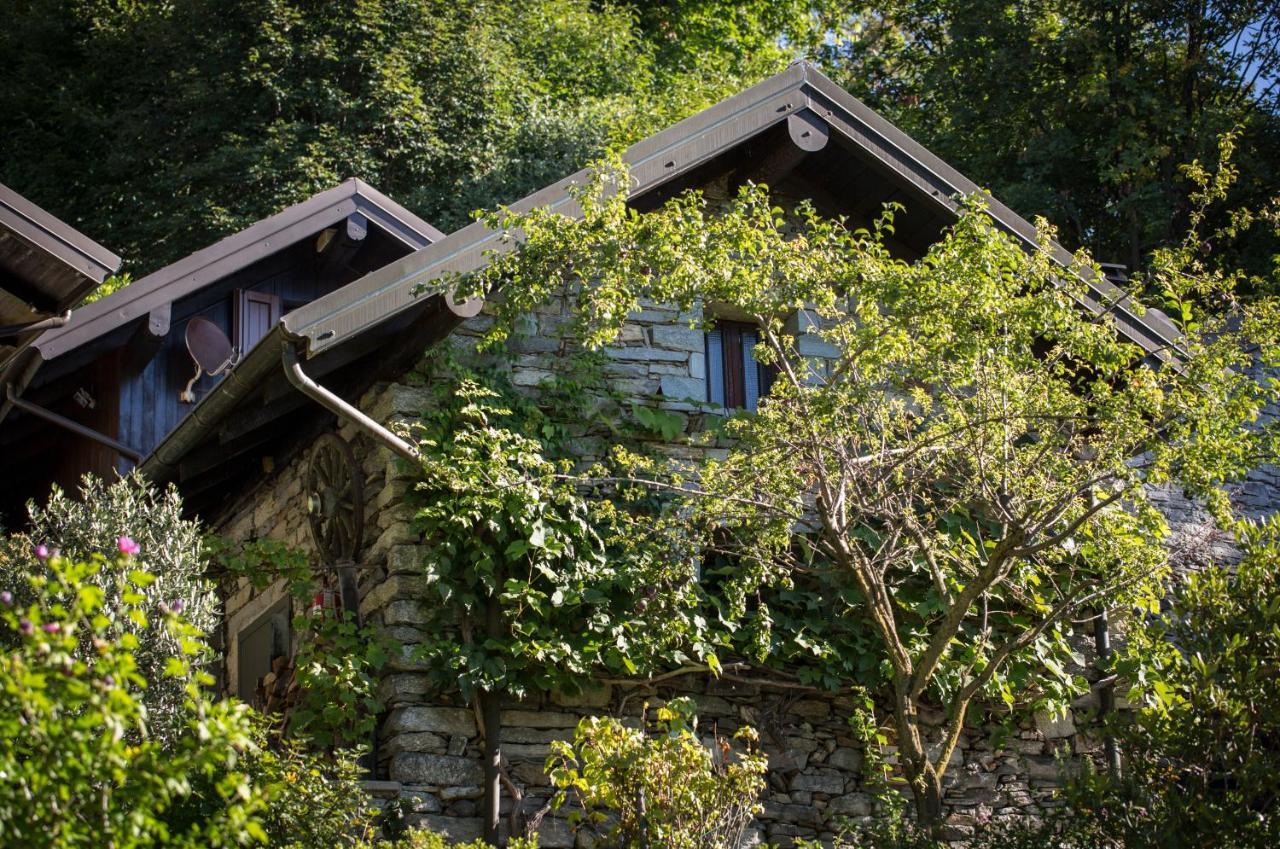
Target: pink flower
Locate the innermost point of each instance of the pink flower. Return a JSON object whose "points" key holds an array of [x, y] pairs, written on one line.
{"points": [[52, 627], [128, 546], [42, 552]]}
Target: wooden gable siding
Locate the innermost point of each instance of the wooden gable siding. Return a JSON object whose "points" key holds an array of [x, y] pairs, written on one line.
{"points": [[149, 402]]}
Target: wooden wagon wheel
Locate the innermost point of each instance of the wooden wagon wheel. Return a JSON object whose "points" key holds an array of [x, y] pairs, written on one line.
{"points": [[335, 499]]}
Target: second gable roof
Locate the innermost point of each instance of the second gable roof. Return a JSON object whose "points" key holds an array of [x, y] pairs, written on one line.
{"points": [[237, 251]]}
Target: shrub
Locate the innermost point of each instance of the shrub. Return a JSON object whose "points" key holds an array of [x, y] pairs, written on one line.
{"points": [[79, 764], [1202, 755], [660, 791], [80, 527]]}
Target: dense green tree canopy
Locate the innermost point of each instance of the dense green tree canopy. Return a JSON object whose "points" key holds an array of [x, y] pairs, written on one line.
{"points": [[1080, 110], [158, 127]]}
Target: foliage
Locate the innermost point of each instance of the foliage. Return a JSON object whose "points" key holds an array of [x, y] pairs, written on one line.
{"points": [[168, 133], [968, 466], [80, 764], [659, 790], [314, 802], [1082, 111], [422, 839], [577, 592], [93, 522], [338, 663], [338, 658], [1202, 752]]}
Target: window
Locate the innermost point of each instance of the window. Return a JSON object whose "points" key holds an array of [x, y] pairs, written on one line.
{"points": [[734, 378], [260, 648]]}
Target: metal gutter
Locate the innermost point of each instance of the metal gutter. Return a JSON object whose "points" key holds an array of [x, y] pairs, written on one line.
{"points": [[263, 359], [75, 427], [340, 408], [935, 179], [364, 303], [56, 237]]}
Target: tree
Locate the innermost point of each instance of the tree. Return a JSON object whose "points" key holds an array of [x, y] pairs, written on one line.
{"points": [[157, 131], [1081, 111], [960, 474]]}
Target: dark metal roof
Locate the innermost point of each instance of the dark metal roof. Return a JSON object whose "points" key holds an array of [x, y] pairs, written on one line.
{"points": [[237, 251], [333, 329], [46, 267], [363, 304]]}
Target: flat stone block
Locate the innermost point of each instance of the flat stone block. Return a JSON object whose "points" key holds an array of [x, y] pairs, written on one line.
{"points": [[444, 721], [457, 829], [644, 354], [440, 770], [539, 719], [1055, 727], [819, 781], [683, 387], [677, 337]]}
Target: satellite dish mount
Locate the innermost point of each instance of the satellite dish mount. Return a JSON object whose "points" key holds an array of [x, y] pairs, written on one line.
{"points": [[210, 349]]}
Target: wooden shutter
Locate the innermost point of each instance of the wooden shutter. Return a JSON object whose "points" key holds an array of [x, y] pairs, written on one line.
{"points": [[734, 379], [255, 313]]}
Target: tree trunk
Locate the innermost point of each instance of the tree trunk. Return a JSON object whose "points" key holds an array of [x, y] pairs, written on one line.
{"points": [[922, 778], [927, 794], [490, 705]]}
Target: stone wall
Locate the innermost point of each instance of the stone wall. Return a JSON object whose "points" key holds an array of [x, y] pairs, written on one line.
{"points": [[429, 748]]}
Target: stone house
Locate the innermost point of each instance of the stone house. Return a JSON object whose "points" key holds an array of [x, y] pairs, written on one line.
{"points": [[331, 376]]}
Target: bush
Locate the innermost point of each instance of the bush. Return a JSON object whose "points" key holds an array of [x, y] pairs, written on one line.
{"points": [[1202, 755], [660, 791], [109, 734], [79, 764], [81, 527]]}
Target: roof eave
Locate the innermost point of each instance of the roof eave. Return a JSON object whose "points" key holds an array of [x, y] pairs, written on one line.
{"points": [[232, 253], [364, 303]]}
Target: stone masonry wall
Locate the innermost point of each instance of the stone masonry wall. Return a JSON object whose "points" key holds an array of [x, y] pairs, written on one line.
{"points": [[429, 748]]}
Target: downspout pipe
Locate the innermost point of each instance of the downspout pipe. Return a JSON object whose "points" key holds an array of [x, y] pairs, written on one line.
{"points": [[49, 323], [73, 426], [340, 408], [1107, 696]]}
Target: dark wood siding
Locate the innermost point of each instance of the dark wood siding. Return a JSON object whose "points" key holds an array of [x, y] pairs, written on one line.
{"points": [[260, 293]]}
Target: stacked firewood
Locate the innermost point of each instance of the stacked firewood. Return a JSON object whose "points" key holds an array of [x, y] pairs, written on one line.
{"points": [[277, 693]]}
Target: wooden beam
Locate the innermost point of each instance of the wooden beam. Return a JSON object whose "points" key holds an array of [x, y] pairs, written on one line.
{"points": [[337, 246], [148, 339]]}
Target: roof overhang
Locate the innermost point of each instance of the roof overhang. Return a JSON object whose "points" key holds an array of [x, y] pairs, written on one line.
{"points": [[46, 268], [800, 92], [229, 255], [402, 291]]}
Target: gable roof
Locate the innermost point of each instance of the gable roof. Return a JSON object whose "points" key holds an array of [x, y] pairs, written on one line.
{"points": [[237, 251], [334, 330], [800, 93], [46, 268]]}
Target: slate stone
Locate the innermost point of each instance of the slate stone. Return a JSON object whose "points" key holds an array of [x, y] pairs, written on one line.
{"points": [[420, 768]]}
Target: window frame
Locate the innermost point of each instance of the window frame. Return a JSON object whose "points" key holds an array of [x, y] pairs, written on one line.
{"points": [[733, 364]]}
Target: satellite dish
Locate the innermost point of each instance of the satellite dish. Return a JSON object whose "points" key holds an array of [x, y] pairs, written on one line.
{"points": [[210, 349]]}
